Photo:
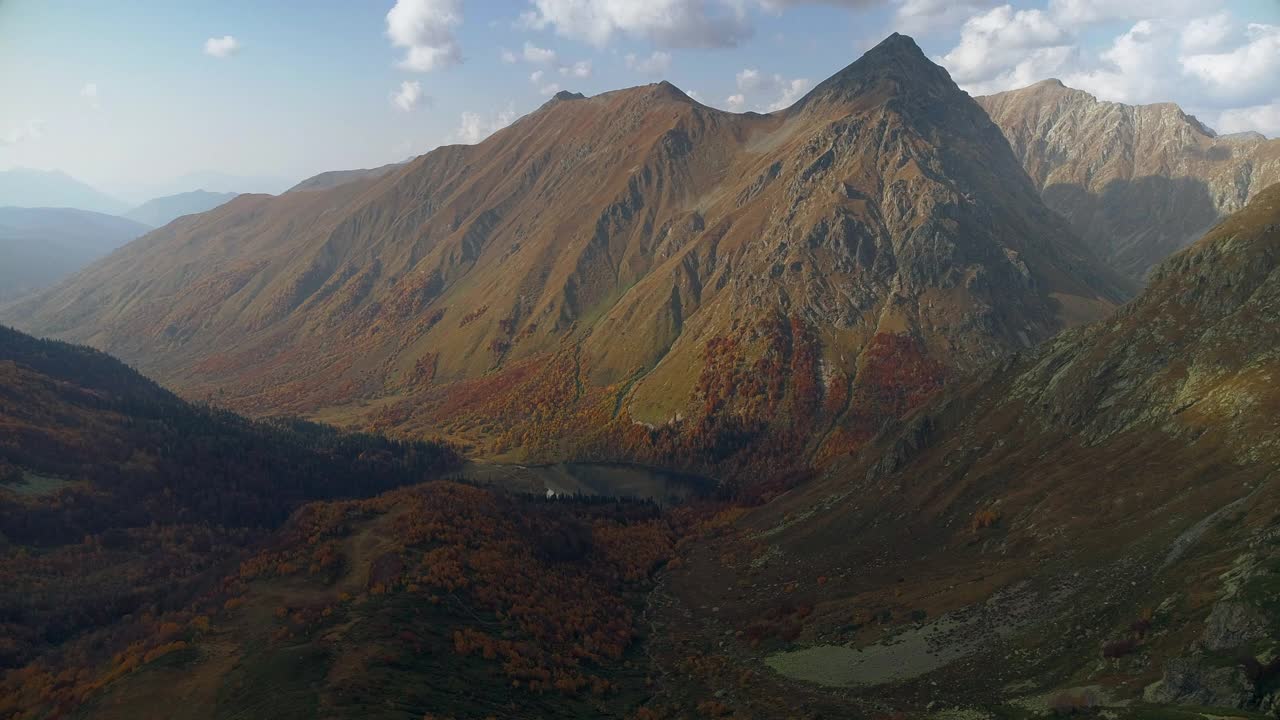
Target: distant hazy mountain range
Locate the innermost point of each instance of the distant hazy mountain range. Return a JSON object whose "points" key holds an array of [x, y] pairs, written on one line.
{"points": [[52, 225], [23, 187], [209, 180], [164, 210], [39, 246]]}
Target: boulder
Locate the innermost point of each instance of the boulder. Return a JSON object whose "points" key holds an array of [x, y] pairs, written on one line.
{"points": [[1232, 624], [1188, 681]]}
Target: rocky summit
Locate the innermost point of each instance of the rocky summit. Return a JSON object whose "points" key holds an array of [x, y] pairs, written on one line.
{"points": [[1137, 183]]}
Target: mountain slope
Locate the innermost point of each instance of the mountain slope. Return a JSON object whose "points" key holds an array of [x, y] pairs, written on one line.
{"points": [[161, 211], [440, 600], [333, 178], [158, 554], [23, 187], [116, 497], [1136, 182], [630, 258], [40, 246], [1102, 509]]}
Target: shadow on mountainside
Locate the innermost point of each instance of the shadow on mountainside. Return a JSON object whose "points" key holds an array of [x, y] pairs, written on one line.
{"points": [[1134, 224]]}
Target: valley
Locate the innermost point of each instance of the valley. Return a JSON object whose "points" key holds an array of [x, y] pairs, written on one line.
{"points": [[634, 482], [889, 401]]}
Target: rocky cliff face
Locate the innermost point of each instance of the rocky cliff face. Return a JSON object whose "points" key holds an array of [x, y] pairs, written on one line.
{"points": [[634, 257], [1136, 182], [1087, 523]]}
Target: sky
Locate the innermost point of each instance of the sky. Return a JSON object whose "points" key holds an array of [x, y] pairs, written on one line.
{"points": [[131, 95]]}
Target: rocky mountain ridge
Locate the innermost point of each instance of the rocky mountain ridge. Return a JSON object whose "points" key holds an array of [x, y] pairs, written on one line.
{"points": [[1136, 182]]}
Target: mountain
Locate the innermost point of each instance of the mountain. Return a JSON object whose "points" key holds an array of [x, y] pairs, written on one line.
{"points": [[1087, 527], [215, 181], [710, 289], [333, 178], [159, 212], [1136, 182], [119, 502], [209, 180], [23, 187], [40, 246], [1088, 524]]}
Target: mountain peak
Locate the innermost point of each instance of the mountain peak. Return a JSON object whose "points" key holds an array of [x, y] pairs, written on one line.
{"points": [[896, 50], [896, 43], [668, 91], [661, 92], [897, 61]]}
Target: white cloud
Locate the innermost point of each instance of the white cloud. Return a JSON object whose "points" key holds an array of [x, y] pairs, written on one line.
{"points": [[792, 90], [1247, 73], [33, 130], [1260, 118], [580, 69], [667, 23], [537, 76], [476, 127], [90, 93], [1135, 69], [784, 92], [537, 55], [712, 23], [921, 17], [656, 63], [1088, 12], [1152, 62], [777, 6], [409, 95], [1035, 66], [1205, 34], [749, 80], [425, 28], [221, 47], [546, 57], [994, 41], [1180, 51]]}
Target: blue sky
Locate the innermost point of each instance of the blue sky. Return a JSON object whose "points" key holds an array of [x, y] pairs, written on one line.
{"points": [[126, 95]]}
